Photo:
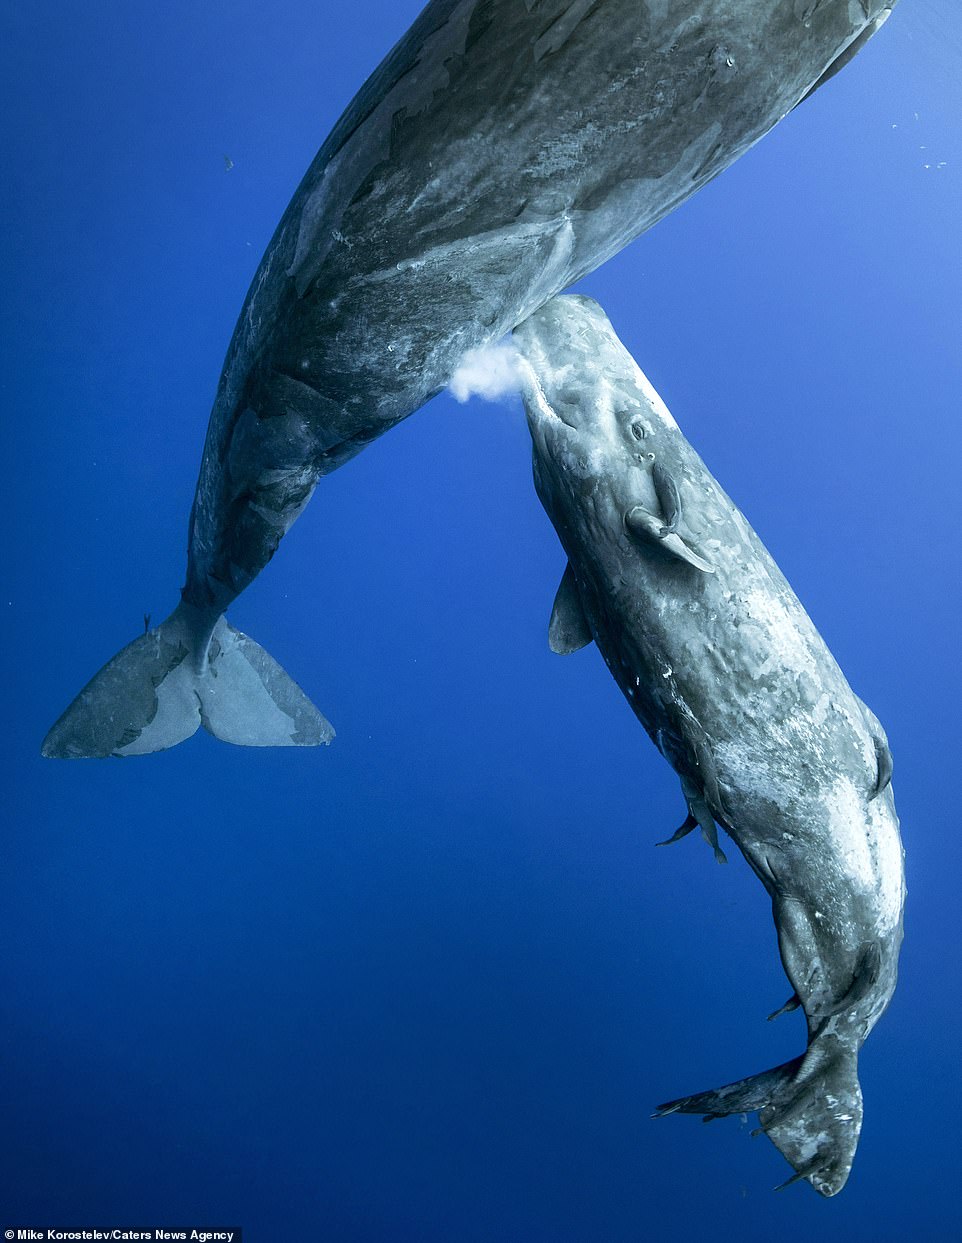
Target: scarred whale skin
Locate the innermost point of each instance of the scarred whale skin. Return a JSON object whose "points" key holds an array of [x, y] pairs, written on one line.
{"points": [[732, 681], [502, 150]]}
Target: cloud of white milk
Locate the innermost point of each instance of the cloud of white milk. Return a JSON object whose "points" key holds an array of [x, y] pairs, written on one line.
{"points": [[490, 372]]}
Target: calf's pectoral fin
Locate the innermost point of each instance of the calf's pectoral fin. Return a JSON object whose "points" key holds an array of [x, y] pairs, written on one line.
{"points": [[885, 766], [646, 528], [883, 760], [568, 629], [883, 753]]}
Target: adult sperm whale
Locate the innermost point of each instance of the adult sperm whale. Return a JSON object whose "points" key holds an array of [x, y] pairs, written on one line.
{"points": [[501, 151], [732, 681]]}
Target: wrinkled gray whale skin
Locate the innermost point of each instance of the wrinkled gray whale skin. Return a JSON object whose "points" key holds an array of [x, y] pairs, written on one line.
{"points": [[731, 680], [502, 150]]}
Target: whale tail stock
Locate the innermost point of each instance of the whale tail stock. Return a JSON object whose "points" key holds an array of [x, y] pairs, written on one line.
{"points": [[810, 1108], [193, 669]]}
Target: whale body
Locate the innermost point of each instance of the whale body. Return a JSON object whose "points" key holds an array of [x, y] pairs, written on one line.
{"points": [[733, 683], [502, 150]]}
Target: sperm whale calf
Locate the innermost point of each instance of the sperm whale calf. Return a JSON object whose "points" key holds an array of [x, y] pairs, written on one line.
{"points": [[736, 688]]}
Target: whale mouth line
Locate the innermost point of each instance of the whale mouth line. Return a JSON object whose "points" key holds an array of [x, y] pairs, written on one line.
{"points": [[552, 414], [539, 406]]}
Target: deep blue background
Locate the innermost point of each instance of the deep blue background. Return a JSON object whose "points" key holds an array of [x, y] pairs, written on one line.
{"points": [[428, 984]]}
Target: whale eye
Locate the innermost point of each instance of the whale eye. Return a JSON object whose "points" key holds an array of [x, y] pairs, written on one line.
{"points": [[637, 429]]}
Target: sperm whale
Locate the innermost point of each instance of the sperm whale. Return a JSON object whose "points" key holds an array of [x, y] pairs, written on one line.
{"points": [[733, 683]]}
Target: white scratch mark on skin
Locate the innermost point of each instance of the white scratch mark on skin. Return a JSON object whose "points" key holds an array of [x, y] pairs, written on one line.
{"points": [[867, 846], [780, 626]]}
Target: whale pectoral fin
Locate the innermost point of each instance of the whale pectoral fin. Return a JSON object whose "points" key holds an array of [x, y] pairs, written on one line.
{"points": [[884, 763], [568, 629], [646, 528], [883, 757], [666, 489]]}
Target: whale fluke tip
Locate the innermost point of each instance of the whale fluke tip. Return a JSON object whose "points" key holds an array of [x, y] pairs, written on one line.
{"points": [[160, 688]]}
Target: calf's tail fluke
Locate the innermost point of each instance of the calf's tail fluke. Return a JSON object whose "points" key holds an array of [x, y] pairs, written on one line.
{"points": [[810, 1108], [194, 669]]}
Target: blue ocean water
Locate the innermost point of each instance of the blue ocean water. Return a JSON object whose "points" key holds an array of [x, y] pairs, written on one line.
{"points": [[429, 983]]}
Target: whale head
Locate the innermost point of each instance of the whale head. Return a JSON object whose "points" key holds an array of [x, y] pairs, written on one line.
{"points": [[597, 425]]}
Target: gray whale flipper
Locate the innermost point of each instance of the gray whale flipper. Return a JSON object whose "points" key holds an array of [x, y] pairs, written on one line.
{"points": [[736, 688], [885, 765], [568, 629], [501, 151], [190, 671]]}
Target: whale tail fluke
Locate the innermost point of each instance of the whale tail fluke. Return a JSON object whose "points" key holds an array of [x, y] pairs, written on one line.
{"points": [[190, 671], [810, 1108]]}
